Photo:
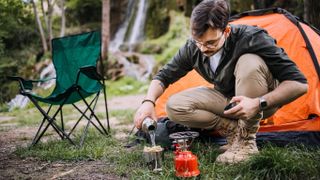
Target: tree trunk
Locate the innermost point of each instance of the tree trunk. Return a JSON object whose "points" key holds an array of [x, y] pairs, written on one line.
{"points": [[311, 12], [44, 15], [50, 11], [105, 28], [42, 35], [63, 18]]}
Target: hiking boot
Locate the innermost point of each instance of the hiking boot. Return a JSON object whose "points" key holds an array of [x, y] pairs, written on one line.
{"points": [[244, 144], [227, 128], [227, 146]]}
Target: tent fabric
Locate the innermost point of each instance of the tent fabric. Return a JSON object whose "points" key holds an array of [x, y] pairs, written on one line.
{"points": [[299, 115]]}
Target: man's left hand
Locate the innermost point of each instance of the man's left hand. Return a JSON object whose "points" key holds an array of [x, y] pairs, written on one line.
{"points": [[245, 109]]}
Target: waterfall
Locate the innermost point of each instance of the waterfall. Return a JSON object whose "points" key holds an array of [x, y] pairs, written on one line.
{"points": [[136, 31], [138, 26], [121, 33]]}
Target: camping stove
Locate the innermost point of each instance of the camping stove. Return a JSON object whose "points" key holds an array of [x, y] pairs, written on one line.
{"points": [[186, 163]]}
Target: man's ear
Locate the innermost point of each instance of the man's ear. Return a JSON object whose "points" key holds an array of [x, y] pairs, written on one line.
{"points": [[228, 29]]}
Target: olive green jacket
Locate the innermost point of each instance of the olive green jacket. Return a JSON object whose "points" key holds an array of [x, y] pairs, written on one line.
{"points": [[242, 39]]}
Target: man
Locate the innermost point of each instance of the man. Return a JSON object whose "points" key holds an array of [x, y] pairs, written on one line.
{"points": [[246, 68]]}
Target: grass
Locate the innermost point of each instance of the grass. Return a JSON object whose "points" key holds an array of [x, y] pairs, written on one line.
{"points": [[125, 117], [292, 162], [126, 86]]}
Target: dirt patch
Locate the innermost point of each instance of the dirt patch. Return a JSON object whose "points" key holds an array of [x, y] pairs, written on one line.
{"points": [[13, 167], [125, 102]]}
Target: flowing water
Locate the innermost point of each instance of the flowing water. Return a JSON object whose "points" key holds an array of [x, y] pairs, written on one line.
{"points": [[156, 155], [127, 33], [119, 37], [138, 26], [152, 138]]}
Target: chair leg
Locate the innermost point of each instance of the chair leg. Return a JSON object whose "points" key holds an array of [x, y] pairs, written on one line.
{"points": [[92, 112], [34, 140], [55, 126], [106, 104], [89, 121], [82, 115], [39, 129], [62, 124], [95, 100], [84, 134], [50, 122]]}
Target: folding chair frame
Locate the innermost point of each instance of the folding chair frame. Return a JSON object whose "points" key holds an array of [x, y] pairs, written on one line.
{"points": [[89, 71], [51, 119]]}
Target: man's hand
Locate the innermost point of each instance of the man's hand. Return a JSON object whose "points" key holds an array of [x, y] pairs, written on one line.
{"points": [[145, 110], [245, 109]]}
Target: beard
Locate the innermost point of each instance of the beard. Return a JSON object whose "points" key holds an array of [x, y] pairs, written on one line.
{"points": [[209, 53]]}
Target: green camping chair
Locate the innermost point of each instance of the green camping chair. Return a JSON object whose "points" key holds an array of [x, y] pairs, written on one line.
{"points": [[75, 60]]}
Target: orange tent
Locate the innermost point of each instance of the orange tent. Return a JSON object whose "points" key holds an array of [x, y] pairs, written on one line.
{"points": [[302, 44]]}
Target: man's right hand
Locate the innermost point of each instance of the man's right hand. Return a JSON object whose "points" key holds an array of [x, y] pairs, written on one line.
{"points": [[145, 110]]}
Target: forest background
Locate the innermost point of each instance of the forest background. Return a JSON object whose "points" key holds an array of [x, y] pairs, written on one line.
{"points": [[27, 27]]}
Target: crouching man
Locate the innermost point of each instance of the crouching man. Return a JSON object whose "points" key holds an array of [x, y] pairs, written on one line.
{"points": [[246, 68]]}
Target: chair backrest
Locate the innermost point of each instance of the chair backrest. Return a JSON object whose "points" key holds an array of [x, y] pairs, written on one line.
{"points": [[71, 53]]}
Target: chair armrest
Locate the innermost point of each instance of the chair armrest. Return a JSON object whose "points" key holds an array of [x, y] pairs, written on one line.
{"points": [[90, 72], [26, 84]]}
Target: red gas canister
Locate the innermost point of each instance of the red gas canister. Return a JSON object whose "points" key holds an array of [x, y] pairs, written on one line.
{"points": [[186, 164]]}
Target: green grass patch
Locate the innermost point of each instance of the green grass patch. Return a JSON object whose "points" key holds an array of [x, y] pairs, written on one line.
{"points": [[96, 147], [25, 117], [124, 117], [290, 162], [126, 86]]}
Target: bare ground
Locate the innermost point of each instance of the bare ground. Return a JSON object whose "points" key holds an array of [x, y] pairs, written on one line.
{"points": [[14, 167]]}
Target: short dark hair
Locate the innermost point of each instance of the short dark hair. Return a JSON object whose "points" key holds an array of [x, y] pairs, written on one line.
{"points": [[209, 13]]}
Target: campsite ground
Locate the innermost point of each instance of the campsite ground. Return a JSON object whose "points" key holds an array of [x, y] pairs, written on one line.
{"points": [[13, 135], [106, 158]]}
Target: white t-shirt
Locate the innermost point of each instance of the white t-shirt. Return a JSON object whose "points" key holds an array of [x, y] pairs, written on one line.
{"points": [[215, 60]]}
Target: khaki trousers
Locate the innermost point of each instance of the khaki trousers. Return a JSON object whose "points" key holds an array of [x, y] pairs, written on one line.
{"points": [[203, 107]]}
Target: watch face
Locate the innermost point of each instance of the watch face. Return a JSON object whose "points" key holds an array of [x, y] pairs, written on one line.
{"points": [[263, 103]]}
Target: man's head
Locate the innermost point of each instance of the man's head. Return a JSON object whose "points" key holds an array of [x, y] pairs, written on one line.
{"points": [[209, 21]]}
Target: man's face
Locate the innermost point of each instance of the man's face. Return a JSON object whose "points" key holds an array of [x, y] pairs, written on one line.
{"points": [[211, 41]]}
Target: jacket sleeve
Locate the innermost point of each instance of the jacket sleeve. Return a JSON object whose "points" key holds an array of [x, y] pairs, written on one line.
{"points": [[178, 66], [278, 62]]}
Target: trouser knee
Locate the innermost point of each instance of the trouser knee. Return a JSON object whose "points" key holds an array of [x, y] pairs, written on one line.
{"points": [[174, 108], [253, 77], [251, 65]]}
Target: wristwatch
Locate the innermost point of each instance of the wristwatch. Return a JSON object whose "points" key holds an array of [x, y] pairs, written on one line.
{"points": [[263, 104]]}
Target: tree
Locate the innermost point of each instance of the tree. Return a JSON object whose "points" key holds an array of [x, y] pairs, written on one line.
{"points": [[105, 28], [311, 12], [47, 7], [38, 21], [18, 36], [63, 17]]}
